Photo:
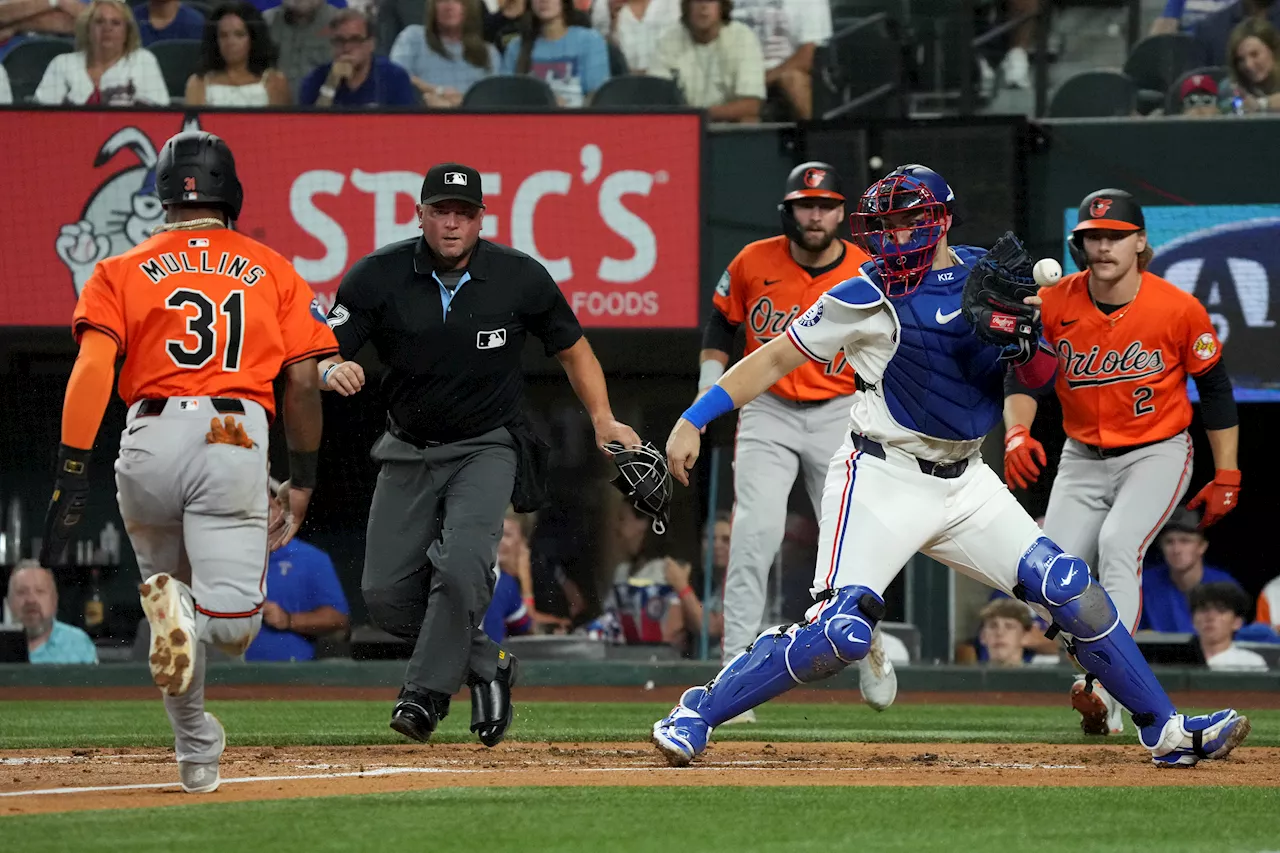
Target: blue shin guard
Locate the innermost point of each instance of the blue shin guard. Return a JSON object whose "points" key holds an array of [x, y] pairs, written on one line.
{"points": [[780, 659], [1102, 645]]}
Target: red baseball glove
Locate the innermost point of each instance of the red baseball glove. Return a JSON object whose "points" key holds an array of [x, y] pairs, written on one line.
{"points": [[1020, 454], [1219, 497]]}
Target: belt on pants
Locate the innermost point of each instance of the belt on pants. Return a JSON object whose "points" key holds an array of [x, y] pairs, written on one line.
{"points": [[153, 406], [409, 438], [941, 470], [1112, 452]]}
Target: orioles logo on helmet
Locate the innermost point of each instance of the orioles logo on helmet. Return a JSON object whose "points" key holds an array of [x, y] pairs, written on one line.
{"points": [[1099, 207], [813, 178]]}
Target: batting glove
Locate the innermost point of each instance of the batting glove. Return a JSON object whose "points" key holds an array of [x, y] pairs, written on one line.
{"points": [[70, 496], [1219, 497], [1021, 453]]}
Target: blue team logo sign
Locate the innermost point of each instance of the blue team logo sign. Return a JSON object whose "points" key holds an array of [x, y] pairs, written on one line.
{"points": [[812, 316], [1224, 255]]}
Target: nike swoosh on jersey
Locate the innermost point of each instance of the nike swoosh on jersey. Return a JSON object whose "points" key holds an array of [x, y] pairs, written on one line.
{"points": [[1069, 322], [135, 428], [944, 319], [769, 281]]}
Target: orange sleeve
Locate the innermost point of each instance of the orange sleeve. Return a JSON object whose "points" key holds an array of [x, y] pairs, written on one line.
{"points": [[101, 307], [730, 297], [302, 320], [1200, 346], [88, 389], [1264, 610]]}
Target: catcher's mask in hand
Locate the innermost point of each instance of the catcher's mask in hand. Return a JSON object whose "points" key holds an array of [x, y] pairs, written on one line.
{"points": [[644, 480]]}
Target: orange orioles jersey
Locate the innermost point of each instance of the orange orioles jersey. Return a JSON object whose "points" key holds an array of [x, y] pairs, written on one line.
{"points": [[765, 289], [1122, 378], [203, 313]]}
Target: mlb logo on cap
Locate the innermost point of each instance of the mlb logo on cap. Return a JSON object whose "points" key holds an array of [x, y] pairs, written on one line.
{"points": [[458, 178]]}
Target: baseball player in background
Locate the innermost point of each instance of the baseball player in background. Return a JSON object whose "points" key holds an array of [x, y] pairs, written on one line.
{"points": [[205, 319], [910, 478], [1126, 342], [803, 418]]}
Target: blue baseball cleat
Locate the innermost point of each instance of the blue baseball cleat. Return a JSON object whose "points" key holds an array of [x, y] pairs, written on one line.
{"points": [[682, 735], [1185, 740]]}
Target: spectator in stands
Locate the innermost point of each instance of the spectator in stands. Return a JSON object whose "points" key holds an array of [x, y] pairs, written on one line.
{"points": [[1165, 587], [1003, 626], [635, 26], [1218, 612], [716, 61], [1269, 604], [1214, 31], [1199, 96], [1015, 69], [361, 5], [512, 609], [573, 60], [109, 66], [447, 54], [37, 17], [300, 31], [789, 31], [6, 94], [33, 600], [166, 20], [1184, 15], [355, 77], [237, 62], [393, 16], [304, 601], [1255, 78], [503, 24]]}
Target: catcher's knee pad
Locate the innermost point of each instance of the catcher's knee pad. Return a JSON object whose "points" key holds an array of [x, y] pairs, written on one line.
{"points": [[1079, 606], [781, 658]]}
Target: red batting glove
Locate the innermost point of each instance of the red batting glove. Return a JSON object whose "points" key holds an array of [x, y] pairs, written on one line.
{"points": [[1020, 454], [1219, 497]]}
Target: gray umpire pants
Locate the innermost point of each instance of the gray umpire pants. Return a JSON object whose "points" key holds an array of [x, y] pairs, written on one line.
{"points": [[433, 535]]}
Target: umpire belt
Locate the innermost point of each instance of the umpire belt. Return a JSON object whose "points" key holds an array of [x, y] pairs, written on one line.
{"points": [[941, 470], [153, 406], [396, 431]]}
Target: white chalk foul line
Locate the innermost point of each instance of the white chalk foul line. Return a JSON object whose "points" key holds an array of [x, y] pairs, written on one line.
{"points": [[399, 771]]}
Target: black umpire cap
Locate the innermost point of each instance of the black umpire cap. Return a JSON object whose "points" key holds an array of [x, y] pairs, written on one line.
{"points": [[452, 181], [1110, 210]]}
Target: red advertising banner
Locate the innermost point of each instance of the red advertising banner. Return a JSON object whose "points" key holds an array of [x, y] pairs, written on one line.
{"points": [[608, 203]]}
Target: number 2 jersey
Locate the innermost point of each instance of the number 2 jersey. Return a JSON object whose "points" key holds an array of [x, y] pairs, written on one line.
{"points": [[1122, 377], [203, 313]]}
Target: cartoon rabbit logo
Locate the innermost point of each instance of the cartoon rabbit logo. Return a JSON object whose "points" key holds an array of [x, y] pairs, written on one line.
{"points": [[122, 210]]}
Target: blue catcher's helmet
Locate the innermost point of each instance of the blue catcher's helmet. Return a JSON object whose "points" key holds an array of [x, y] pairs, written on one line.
{"points": [[903, 255]]}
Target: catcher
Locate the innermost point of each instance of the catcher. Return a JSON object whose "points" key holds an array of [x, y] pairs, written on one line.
{"points": [[910, 478]]}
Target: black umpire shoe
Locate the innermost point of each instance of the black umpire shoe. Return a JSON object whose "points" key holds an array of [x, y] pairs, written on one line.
{"points": [[491, 709], [416, 715]]}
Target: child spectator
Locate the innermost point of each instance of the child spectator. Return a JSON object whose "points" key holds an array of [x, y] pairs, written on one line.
{"points": [[1218, 611]]}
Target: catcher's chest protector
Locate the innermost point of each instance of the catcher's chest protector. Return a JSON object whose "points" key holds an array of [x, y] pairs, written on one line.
{"points": [[943, 381]]}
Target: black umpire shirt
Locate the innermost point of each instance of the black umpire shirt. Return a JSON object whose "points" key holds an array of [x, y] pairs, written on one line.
{"points": [[451, 342]]}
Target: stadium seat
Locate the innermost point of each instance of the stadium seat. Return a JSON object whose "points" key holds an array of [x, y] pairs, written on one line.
{"points": [[179, 59], [638, 91], [859, 71], [1155, 62], [25, 64], [1172, 99], [509, 90], [617, 61], [1094, 94]]}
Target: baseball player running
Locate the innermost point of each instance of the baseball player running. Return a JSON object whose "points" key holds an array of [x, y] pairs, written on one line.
{"points": [[801, 420], [205, 319], [1126, 342], [909, 476]]}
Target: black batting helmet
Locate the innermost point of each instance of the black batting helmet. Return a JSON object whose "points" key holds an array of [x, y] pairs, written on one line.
{"points": [[197, 168], [808, 180], [644, 480], [1104, 210]]}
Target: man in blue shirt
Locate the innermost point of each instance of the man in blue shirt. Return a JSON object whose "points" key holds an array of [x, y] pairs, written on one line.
{"points": [[33, 599], [304, 600], [166, 20], [1165, 587], [355, 77]]}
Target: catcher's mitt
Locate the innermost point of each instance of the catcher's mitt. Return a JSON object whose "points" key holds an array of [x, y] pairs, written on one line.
{"points": [[992, 299], [645, 481]]}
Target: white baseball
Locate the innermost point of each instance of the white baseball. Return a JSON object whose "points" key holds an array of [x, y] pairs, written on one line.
{"points": [[875, 163], [1047, 271]]}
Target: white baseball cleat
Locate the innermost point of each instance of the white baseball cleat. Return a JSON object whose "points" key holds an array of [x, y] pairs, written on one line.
{"points": [[171, 614], [203, 777], [877, 680], [1099, 713]]}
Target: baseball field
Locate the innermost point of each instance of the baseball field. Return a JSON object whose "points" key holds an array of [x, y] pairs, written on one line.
{"points": [[318, 769]]}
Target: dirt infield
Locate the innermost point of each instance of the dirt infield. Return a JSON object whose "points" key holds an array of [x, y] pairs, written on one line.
{"points": [[38, 781]]}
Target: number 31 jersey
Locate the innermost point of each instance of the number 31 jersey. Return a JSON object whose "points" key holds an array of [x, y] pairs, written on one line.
{"points": [[203, 313]]}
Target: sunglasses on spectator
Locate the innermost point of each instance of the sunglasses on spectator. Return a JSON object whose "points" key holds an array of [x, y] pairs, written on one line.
{"points": [[347, 41], [1200, 99]]}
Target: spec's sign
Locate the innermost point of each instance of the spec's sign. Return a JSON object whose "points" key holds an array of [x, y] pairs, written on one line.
{"points": [[608, 203]]}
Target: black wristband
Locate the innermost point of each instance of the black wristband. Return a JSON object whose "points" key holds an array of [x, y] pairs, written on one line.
{"points": [[72, 462], [302, 468]]}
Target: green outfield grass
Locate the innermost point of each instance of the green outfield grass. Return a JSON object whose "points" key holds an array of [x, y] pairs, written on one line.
{"points": [[28, 725], [672, 820]]}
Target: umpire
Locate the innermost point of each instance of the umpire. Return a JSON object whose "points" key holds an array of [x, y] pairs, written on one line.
{"points": [[447, 314]]}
